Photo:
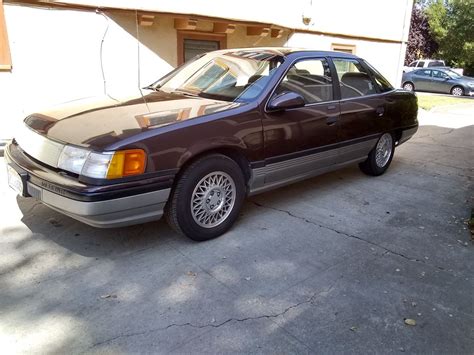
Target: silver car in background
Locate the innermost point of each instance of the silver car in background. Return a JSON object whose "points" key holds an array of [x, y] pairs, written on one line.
{"points": [[439, 80]]}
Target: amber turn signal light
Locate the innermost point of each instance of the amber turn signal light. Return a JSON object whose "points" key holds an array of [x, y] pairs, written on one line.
{"points": [[126, 163]]}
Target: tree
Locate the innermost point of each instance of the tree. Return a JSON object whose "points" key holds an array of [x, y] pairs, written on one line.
{"points": [[421, 43], [451, 23]]}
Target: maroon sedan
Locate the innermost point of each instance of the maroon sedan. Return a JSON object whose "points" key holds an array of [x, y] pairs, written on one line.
{"points": [[225, 125]]}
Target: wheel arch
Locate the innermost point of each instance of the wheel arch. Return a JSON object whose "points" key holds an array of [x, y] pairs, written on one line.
{"points": [[457, 86], [409, 82], [231, 152]]}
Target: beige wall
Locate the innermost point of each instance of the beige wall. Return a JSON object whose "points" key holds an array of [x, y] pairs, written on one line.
{"points": [[57, 58], [370, 18]]}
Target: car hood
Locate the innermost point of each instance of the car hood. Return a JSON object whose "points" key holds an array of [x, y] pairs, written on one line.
{"points": [[467, 79], [98, 122]]}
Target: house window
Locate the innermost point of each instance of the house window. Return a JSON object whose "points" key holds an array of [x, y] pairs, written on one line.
{"points": [[191, 44], [346, 48], [5, 59]]}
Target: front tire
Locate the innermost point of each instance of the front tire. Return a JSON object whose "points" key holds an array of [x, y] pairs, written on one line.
{"points": [[457, 91], [380, 157], [207, 198]]}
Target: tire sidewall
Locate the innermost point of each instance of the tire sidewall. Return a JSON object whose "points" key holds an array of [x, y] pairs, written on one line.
{"points": [[184, 216], [377, 170]]}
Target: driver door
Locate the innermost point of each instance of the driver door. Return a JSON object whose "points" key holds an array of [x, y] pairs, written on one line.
{"points": [[301, 140]]}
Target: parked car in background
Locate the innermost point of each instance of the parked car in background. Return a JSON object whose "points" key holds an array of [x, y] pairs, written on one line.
{"points": [[423, 63], [429, 63], [225, 125], [438, 80]]}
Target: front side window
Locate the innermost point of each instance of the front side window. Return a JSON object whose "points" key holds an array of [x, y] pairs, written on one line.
{"points": [[233, 76], [353, 78], [311, 79], [439, 74], [420, 64]]}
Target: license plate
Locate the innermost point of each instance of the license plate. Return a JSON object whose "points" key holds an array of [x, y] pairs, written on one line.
{"points": [[14, 180]]}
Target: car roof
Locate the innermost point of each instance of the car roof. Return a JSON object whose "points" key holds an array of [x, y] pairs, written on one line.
{"points": [[287, 51]]}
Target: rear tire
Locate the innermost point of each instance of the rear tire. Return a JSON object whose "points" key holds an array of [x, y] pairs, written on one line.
{"points": [[408, 86], [457, 91], [380, 157], [207, 198]]}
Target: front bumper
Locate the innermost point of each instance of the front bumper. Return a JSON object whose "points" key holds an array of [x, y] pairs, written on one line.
{"points": [[98, 209]]}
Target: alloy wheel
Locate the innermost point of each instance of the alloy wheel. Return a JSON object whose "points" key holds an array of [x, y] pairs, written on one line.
{"points": [[457, 91], [383, 150], [213, 199], [408, 87]]}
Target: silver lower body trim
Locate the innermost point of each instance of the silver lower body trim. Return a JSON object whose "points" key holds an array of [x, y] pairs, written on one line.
{"points": [[117, 212], [289, 171]]}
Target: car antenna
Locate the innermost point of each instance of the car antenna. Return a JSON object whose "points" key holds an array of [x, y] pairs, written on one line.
{"points": [[138, 61]]}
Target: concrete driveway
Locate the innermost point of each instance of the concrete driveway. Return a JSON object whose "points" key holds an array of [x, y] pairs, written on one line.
{"points": [[334, 264]]}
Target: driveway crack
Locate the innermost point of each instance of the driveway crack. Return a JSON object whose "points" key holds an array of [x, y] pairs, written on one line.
{"points": [[309, 300], [387, 250]]}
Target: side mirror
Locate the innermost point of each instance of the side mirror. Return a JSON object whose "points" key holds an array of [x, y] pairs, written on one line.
{"points": [[285, 101]]}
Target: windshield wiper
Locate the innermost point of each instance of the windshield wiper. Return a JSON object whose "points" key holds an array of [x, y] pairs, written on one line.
{"points": [[185, 92], [151, 87]]}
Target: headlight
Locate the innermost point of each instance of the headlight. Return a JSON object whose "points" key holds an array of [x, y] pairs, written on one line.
{"points": [[72, 159], [107, 165]]}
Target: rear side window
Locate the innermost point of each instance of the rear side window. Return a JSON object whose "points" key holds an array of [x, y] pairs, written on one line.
{"points": [[423, 72], [435, 63], [353, 78], [383, 84], [311, 78], [420, 64]]}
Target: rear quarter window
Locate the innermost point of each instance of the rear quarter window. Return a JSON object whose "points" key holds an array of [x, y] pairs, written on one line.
{"points": [[436, 63]]}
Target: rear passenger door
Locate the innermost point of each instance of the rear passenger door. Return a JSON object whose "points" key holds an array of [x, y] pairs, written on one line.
{"points": [[302, 139], [362, 110], [422, 80]]}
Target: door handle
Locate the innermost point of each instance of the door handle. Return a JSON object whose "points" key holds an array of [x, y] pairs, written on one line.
{"points": [[330, 121], [331, 107], [380, 111]]}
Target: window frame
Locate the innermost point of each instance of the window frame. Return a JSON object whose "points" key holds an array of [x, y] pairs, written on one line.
{"points": [[335, 93], [5, 54], [200, 36], [367, 69], [294, 63]]}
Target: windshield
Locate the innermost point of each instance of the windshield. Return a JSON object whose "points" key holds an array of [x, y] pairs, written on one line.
{"points": [[453, 74], [238, 76]]}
